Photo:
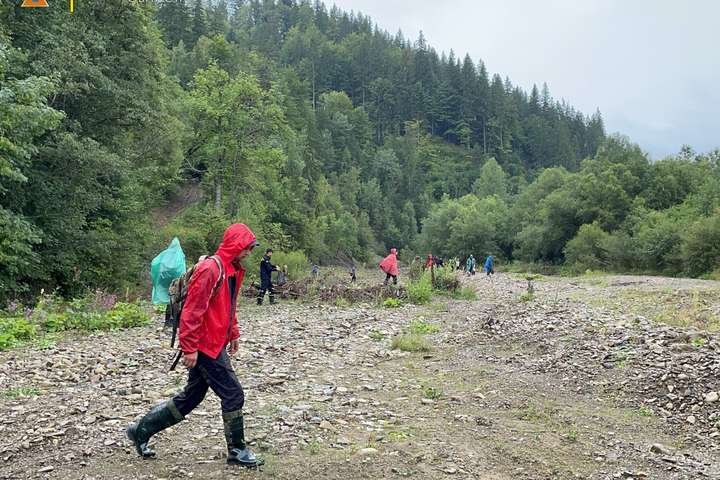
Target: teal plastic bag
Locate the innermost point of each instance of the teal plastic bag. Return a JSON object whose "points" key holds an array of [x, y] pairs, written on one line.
{"points": [[166, 267]]}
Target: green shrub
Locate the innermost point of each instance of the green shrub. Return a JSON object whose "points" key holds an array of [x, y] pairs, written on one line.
{"points": [[421, 327], [410, 342], [296, 261], [15, 330], [420, 292], [127, 315], [392, 303], [465, 293], [431, 392], [446, 280], [526, 297]]}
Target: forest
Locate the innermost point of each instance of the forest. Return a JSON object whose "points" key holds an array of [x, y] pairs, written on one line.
{"points": [[127, 123]]}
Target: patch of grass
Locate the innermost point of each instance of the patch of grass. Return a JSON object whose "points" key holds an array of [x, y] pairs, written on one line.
{"points": [[421, 327], [46, 341], [411, 342], [526, 297], [431, 392], [392, 303], [644, 411], [314, 447], [17, 392], [465, 293], [571, 436], [532, 413], [342, 302], [397, 436], [377, 335], [699, 342]]}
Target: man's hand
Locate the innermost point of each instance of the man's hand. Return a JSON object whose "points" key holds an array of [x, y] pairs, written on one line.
{"points": [[189, 359], [233, 346]]}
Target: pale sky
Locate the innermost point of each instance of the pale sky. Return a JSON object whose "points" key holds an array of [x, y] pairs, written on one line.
{"points": [[652, 67]]}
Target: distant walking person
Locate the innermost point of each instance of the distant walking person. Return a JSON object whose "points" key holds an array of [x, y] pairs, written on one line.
{"points": [[470, 265], [389, 265], [266, 269], [489, 265], [208, 337], [353, 273]]}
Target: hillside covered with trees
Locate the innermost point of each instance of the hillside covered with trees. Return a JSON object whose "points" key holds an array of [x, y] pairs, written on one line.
{"points": [[322, 132]]}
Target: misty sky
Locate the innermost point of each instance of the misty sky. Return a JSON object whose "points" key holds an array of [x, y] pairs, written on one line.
{"points": [[652, 67]]}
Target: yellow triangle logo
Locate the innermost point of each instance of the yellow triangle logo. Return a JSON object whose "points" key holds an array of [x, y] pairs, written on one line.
{"points": [[34, 3]]}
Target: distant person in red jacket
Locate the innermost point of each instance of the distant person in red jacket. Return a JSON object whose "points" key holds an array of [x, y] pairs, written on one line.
{"points": [[389, 265], [430, 262], [208, 336]]}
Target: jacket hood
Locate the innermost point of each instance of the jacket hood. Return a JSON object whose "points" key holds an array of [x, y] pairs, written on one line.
{"points": [[393, 251], [237, 238]]}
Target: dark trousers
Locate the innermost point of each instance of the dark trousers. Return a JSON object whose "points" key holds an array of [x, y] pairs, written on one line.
{"points": [[216, 374], [388, 277], [266, 287]]}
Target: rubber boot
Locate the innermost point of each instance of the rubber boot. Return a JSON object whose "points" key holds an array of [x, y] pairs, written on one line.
{"points": [[272, 300], [238, 452], [260, 300], [159, 418]]}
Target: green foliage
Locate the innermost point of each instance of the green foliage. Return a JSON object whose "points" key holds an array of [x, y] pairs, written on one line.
{"points": [[392, 303], [465, 293], [377, 335], [588, 249], [432, 393], [446, 279], [420, 292], [411, 343], [296, 261], [18, 392], [51, 314], [421, 327], [526, 297]]}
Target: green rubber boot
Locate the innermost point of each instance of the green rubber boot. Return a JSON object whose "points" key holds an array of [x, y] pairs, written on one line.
{"points": [[238, 452], [157, 419]]}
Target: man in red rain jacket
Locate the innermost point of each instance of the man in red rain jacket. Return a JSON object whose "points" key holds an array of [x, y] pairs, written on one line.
{"points": [[389, 265], [208, 336]]}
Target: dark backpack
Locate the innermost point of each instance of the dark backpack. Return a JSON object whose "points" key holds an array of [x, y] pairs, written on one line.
{"points": [[178, 293]]}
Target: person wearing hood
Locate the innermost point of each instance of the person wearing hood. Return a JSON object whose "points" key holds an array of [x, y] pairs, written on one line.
{"points": [[470, 265], [389, 265], [489, 265], [209, 335], [266, 269]]}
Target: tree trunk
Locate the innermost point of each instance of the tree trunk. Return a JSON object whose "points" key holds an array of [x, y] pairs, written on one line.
{"points": [[218, 193]]}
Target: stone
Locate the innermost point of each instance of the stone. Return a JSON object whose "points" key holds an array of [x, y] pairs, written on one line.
{"points": [[712, 397], [661, 449], [367, 452]]}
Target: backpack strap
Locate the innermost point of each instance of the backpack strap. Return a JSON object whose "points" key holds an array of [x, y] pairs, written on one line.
{"points": [[220, 279]]}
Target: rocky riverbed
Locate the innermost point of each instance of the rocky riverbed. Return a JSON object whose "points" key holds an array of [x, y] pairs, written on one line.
{"points": [[592, 378]]}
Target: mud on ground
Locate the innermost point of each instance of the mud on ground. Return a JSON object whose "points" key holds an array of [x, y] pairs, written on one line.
{"points": [[593, 378]]}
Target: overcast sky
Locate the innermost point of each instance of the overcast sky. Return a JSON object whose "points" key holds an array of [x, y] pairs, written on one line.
{"points": [[652, 67]]}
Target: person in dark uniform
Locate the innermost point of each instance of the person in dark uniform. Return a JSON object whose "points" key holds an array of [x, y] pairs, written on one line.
{"points": [[266, 269]]}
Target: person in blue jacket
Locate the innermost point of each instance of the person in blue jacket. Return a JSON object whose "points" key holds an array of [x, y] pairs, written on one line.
{"points": [[489, 267]]}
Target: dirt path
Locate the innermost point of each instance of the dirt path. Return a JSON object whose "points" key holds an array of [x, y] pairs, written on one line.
{"points": [[577, 382]]}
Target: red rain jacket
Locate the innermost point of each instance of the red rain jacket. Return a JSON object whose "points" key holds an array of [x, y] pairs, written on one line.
{"points": [[208, 323], [389, 263]]}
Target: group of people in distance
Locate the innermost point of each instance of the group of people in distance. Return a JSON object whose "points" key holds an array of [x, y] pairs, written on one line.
{"points": [[389, 265]]}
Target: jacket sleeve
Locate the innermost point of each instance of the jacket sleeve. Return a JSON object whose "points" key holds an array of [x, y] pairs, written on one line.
{"points": [[196, 303], [234, 328]]}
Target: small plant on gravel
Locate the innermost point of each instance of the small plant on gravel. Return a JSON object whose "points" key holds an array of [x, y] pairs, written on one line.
{"points": [[571, 436], [645, 411], [18, 392], [465, 293], [342, 302], [397, 436], [699, 342], [526, 297], [411, 342], [377, 335], [392, 303], [431, 393], [421, 327], [314, 447]]}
